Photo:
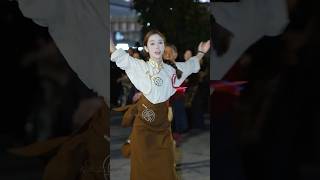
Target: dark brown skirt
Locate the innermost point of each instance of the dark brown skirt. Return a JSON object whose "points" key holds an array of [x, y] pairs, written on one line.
{"points": [[152, 148]]}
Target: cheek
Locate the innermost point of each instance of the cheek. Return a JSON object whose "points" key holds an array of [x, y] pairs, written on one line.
{"points": [[152, 47], [162, 48]]}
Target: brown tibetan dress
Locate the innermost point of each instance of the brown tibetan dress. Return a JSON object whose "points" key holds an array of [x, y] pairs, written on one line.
{"points": [[152, 148]]}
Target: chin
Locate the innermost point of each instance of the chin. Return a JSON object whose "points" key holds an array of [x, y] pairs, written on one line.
{"points": [[156, 57]]}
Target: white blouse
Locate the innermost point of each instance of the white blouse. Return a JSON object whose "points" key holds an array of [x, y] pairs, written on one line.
{"points": [[156, 86]]}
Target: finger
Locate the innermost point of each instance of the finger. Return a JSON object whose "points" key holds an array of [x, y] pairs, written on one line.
{"points": [[208, 43], [200, 45]]}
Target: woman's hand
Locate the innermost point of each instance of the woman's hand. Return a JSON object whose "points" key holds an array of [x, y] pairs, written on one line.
{"points": [[204, 47]]}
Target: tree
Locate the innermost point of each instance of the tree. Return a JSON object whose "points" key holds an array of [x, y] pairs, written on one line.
{"points": [[183, 22]]}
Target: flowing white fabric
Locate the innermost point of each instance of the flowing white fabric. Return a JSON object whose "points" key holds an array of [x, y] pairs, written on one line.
{"points": [[80, 31], [248, 20]]}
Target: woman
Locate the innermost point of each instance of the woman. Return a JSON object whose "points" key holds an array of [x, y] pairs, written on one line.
{"points": [[152, 150]]}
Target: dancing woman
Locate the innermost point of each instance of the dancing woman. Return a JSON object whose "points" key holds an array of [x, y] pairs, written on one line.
{"points": [[152, 149]]}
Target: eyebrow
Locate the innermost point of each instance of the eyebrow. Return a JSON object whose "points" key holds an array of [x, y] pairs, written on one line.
{"points": [[155, 40]]}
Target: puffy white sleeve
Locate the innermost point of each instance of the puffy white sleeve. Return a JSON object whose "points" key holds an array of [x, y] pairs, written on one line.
{"points": [[136, 70], [276, 18], [187, 68], [79, 28], [248, 20]]}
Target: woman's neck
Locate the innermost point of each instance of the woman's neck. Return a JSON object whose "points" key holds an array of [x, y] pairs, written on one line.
{"points": [[158, 61]]}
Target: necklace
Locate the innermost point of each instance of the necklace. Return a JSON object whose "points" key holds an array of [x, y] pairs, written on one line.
{"points": [[156, 68]]}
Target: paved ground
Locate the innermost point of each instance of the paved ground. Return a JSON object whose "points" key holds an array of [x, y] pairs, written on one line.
{"points": [[193, 154]]}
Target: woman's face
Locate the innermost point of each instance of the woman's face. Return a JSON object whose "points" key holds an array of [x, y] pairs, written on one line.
{"points": [[187, 55], [169, 54], [136, 55], [155, 46]]}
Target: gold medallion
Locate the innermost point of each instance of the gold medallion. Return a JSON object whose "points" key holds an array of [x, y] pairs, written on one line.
{"points": [[148, 114]]}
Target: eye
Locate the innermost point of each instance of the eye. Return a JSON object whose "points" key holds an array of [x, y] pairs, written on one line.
{"points": [[152, 43], [160, 42]]}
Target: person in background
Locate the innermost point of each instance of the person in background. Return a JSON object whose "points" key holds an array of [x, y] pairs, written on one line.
{"points": [[180, 121]]}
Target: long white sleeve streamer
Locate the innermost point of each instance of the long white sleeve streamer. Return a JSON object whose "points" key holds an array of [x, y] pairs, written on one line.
{"points": [[248, 20], [80, 31]]}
